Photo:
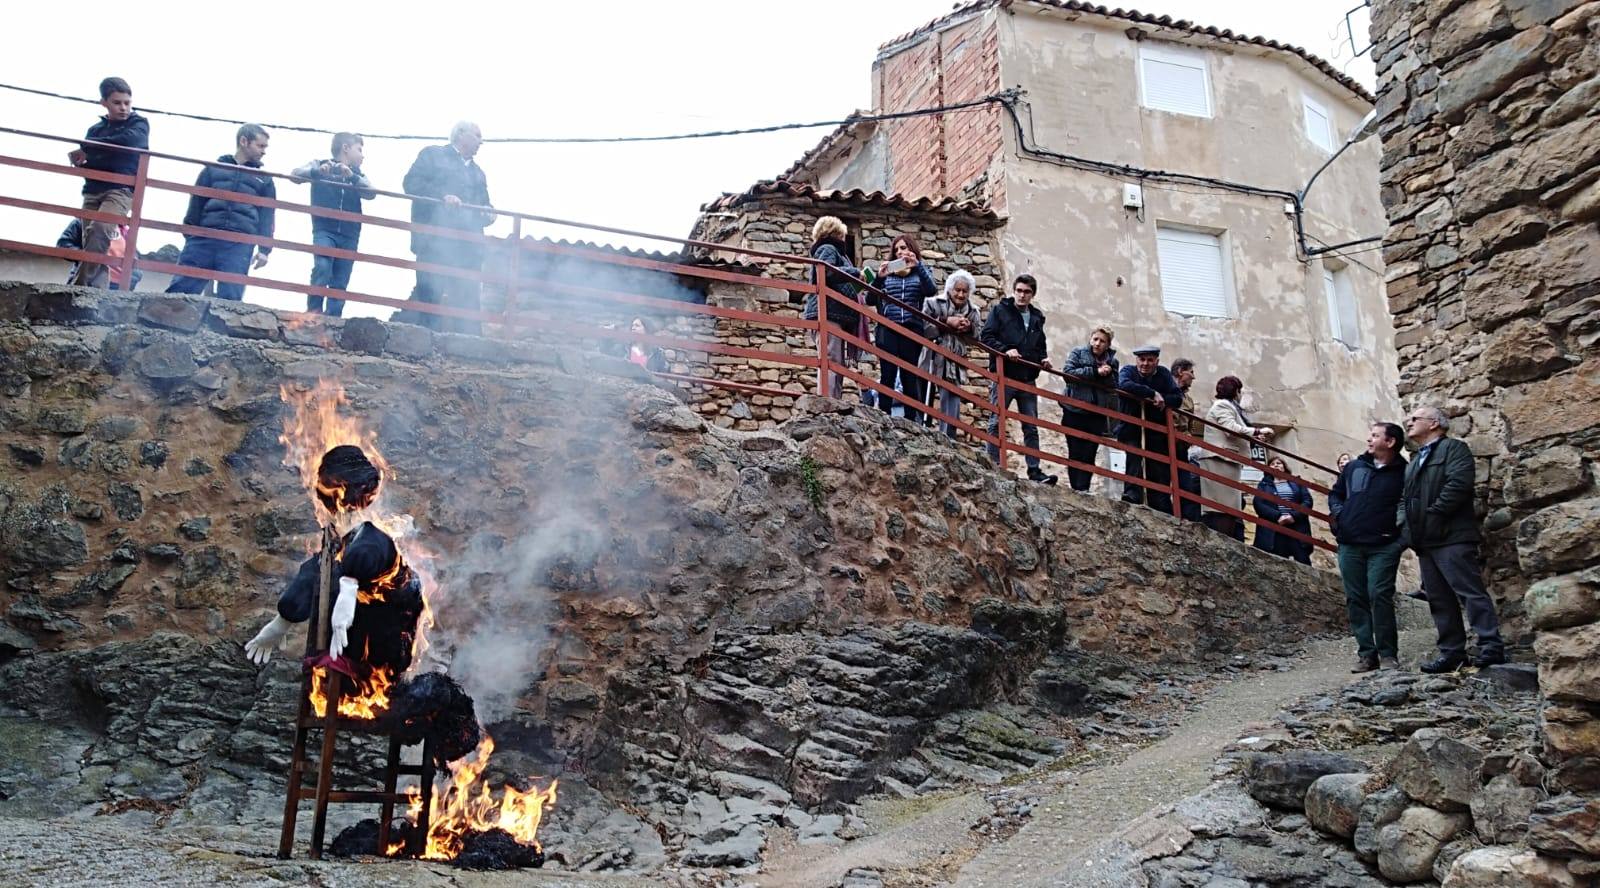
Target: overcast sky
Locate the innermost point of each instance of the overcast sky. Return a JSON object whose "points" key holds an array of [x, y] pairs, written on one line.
{"points": [[623, 67]]}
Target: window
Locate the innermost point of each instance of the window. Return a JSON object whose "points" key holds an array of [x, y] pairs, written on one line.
{"points": [[1174, 79], [1343, 322], [1194, 275], [1319, 124]]}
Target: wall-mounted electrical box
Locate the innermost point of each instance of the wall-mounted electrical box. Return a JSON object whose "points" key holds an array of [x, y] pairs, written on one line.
{"points": [[1132, 197]]}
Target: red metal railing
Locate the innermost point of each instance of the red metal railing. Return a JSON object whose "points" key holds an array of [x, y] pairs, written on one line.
{"points": [[516, 318]]}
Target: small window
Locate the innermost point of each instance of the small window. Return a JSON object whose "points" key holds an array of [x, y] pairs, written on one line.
{"points": [[1194, 273], [1344, 324], [1319, 124], [1175, 80]]}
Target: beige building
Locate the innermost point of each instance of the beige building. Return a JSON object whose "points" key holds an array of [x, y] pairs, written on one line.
{"points": [[1206, 262]]}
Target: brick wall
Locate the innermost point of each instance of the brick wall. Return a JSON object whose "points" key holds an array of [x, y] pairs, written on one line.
{"points": [[946, 154], [1491, 180]]}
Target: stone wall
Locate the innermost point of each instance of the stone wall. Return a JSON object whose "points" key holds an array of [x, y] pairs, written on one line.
{"points": [[626, 546], [1491, 177]]}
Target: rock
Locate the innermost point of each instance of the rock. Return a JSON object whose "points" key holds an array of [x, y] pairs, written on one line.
{"points": [[208, 578], [181, 313], [166, 361], [821, 831], [44, 543], [1378, 810], [408, 341], [1546, 475], [1560, 538], [1520, 351], [1569, 663], [27, 454], [1527, 13], [1333, 803], [365, 335], [1507, 868], [741, 849], [13, 642], [1438, 770], [126, 501], [72, 419], [1565, 826], [1567, 600], [1282, 780], [195, 528], [1492, 71], [1408, 847], [1222, 809], [1517, 678], [1500, 810], [1451, 852], [153, 454]]}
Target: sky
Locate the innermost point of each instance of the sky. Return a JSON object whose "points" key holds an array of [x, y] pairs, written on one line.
{"points": [[624, 67]]}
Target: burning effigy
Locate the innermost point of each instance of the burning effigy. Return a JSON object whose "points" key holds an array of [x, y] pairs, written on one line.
{"points": [[369, 613]]}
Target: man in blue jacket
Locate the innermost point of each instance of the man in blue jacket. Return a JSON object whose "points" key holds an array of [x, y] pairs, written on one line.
{"points": [[1148, 391], [336, 184], [232, 172], [1364, 503], [121, 126]]}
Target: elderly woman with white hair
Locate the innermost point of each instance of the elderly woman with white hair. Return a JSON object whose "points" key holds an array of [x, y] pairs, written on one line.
{"points": [[828, 246], [953, 318]]}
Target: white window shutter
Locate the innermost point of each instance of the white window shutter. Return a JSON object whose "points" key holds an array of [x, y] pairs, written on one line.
{"points": [[1193, 276], [1319, 124], [1344, 322], [1330, 289], [1174, 81]]}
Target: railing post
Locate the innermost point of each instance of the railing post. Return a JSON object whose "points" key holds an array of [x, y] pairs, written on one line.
{"points": [[1000, 410], [1172, 464], [515, 286], [824, 367], [130, 244]]}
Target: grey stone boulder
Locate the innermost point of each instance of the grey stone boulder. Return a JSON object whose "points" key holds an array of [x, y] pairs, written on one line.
{"points": [[723, 848], [1566, 825], [1378, 810], [1501, 809], [1462, 845], [1502, 867], [1408, 846], [1333, 803], [1439, 771], [1282, 780]]}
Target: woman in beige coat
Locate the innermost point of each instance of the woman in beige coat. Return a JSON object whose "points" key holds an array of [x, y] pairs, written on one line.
{"points": [[1225, 412]]}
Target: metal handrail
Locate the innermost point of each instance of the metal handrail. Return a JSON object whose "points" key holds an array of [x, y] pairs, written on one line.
{"points": [[514, 317]]}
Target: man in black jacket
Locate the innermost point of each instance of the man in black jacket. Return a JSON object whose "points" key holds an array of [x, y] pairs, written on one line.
{"points": [[1363, 503], [459, 189], [1440, 525], [122, 126], [1091, 373], [232, 172], [1015, 328], [1148, 391]]}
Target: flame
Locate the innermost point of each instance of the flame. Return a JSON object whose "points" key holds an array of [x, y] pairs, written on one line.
{"points": [[370, 700], [465, 803], [316, 426]]}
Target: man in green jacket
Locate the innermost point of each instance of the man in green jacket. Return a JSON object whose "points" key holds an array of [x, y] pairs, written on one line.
{"points": [[1438, 522]]}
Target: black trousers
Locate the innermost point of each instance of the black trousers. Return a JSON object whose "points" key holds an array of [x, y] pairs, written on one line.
{"points": [[1188, 482], [906, 349], [1148, 469], [1082, 450], [1452, 577], [438, 288]]}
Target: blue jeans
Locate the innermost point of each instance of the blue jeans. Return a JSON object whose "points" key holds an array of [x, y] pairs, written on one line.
{"points": [[213, 255], [1027, 405], [329, 272]]}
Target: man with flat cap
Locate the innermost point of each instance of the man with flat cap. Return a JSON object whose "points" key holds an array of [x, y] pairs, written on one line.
{"points": [[1148, 392]]}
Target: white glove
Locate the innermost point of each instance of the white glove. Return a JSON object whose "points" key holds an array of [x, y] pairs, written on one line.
{"points": [[344, 613], [269, 639]]}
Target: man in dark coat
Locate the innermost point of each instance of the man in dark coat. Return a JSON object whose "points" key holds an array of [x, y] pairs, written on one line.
{"points": [[234, 172], [1440, 525], [1363, 503], [1015, 328], [459, 192], [1148, 391], [121, 126], [1091, 373]]}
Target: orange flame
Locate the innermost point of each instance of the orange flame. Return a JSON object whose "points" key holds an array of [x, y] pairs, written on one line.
{"points": [[370, 700], [465, 803], [316, 426]]}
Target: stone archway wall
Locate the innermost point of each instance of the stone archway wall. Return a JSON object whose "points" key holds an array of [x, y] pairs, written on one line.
{"points": [[1491, 179]]}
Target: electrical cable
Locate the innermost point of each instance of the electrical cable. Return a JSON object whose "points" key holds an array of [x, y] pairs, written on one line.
{"points": [[973, 104]]}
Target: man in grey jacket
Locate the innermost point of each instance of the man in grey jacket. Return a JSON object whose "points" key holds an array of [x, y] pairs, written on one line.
{"points": [[1438, 522]]}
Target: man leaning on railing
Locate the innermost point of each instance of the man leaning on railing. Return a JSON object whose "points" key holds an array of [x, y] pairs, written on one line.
{"points": [[1148, 392], [458, 190], [234, 172], [1015, 328]]}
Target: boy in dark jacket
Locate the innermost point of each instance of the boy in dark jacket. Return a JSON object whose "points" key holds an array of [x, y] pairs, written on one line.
{"points": [[235, 172], [1363, 503], [122, 126], [1148, 391], [336, 184], [1015, 328]]}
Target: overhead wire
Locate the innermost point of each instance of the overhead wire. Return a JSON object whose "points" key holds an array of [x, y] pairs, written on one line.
{"points": [[969, 105]]}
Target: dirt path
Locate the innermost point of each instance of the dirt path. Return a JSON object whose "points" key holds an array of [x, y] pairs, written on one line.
{"points": [[1079, 809]]}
